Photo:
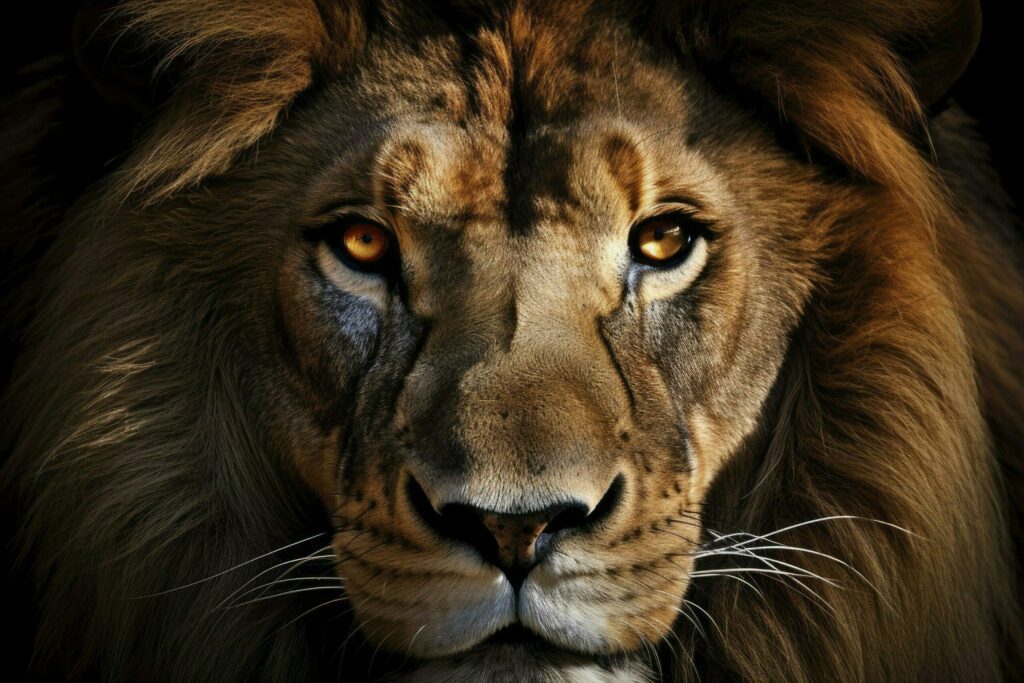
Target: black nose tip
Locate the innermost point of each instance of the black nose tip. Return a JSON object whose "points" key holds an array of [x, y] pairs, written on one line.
{"points": [[515, 543]]}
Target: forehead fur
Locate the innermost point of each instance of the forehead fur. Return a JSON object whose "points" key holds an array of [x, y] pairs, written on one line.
{"points": [[239, 66]]}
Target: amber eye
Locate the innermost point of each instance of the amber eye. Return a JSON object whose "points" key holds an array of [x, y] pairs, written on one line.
{"points": [[365, 243], [663, 240], [361, 244]]}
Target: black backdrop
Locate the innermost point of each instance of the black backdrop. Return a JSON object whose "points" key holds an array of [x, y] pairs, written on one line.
{"points": [[991, 85]]}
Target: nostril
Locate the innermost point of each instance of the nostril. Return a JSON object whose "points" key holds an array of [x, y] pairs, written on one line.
{"points": [[454, 521], [611, 500], [513, 542], [464, 523], [579, 517], [571, 516], [423, 507]]}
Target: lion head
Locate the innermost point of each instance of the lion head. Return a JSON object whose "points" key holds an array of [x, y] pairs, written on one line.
{"points": [[520, 341]]}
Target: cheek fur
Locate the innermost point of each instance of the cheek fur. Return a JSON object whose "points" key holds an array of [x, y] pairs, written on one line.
{"points": [[372, 288], [328, 335]]}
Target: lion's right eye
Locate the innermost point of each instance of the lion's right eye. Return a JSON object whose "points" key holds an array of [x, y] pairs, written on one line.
{"points": [[362, 245], [663, 240]]}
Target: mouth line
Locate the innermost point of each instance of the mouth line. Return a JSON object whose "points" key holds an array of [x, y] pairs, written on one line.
{"points": [[518, 641], [519, 636], [515, 634]]}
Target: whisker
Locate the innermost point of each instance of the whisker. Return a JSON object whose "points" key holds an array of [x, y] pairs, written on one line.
{"points": [[798, 570], [819, 520], [738, 549], [651, 651], [353, 557], [686, 522], [689, 617], [668, 631], [679, 536], [746, 570], [412, 641], [294, 579], [226, 571], [380, 644], [775, 545], [692, 605], [772, 573], [343, 648], [774, 564], [293, 562], [285, 594], [832, 558], [740, 579], [352, 540]]}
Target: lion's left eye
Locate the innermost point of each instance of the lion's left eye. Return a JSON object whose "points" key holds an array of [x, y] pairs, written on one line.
{"points": [[362, 245], [664, 240]]}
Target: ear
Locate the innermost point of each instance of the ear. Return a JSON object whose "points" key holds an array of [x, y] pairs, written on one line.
{"points": [[854, 77], [938, 55], [222, 72]]}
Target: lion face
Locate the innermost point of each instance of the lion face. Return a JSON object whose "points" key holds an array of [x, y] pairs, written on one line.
{"points": [[527, 318], [530, 312]]}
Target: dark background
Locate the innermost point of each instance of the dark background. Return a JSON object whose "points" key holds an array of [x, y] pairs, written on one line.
{"points": [[987, 91]]}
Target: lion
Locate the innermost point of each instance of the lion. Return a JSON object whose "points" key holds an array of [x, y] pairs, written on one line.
{"points": [[511, 341]]}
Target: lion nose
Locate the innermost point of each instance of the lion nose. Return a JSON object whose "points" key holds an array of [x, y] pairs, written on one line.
{"points": [[514, 542]]}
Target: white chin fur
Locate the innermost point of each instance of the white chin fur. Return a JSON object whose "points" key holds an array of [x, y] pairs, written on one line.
{"points": [[523, 664], [460, 615], [456, 618], [551, 607]]}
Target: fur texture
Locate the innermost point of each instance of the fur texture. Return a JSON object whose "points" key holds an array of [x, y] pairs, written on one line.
{"points": [[208, 406]]}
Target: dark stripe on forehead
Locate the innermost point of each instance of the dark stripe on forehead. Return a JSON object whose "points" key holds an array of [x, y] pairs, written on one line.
{"points": [[511, 322], [520, 83], [518, 208], [541, 177]]}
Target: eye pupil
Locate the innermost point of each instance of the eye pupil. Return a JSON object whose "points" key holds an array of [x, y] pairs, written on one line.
{"points": [[662, 240], [364, 243]]}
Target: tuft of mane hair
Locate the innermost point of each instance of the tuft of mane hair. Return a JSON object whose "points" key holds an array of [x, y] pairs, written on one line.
{"points": [[239, 65]]}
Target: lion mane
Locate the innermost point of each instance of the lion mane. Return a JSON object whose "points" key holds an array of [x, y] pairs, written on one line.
{"points": [[145, 498]]}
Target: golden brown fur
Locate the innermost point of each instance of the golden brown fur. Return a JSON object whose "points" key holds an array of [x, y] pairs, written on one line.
{"points": [[202, 385]]}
